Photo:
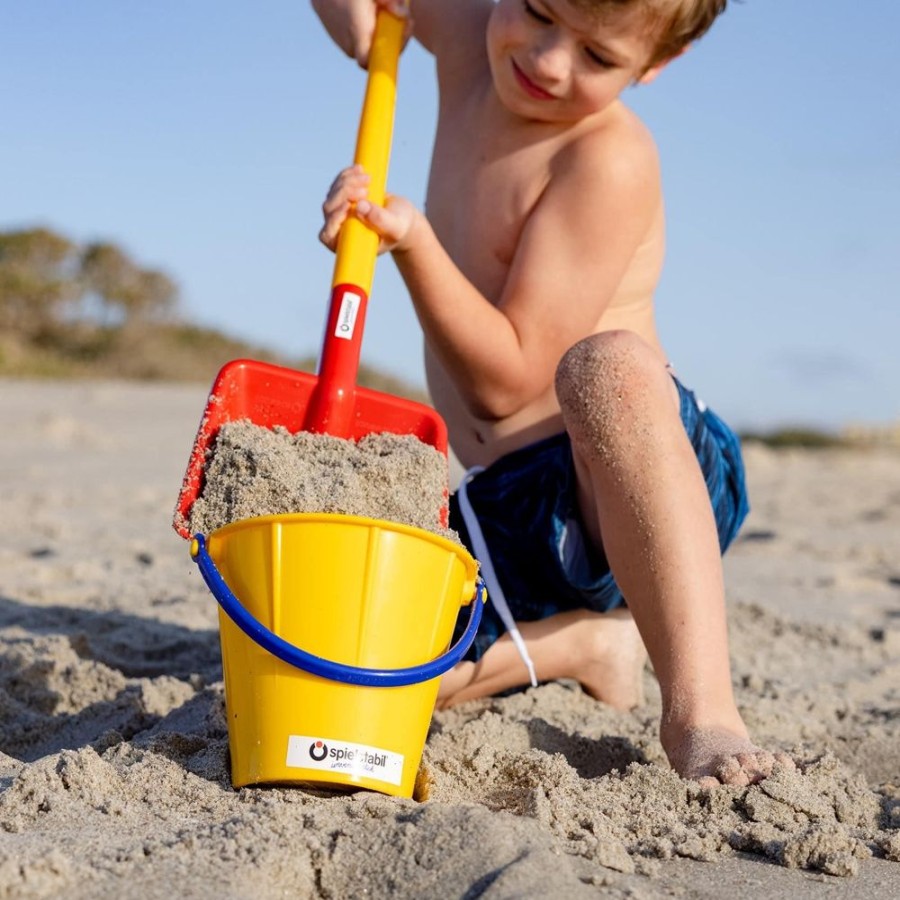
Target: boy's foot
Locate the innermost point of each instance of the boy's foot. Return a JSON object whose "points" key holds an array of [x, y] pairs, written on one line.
{"points": [[612, 659], [715, 756], [602, 651]]}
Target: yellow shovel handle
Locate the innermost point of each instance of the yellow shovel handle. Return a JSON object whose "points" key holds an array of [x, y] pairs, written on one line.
{"points": [[358, 245]]}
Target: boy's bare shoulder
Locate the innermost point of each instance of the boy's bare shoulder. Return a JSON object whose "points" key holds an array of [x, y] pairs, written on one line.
{"points": [[617, 147], [605, 183], [608, 172]]}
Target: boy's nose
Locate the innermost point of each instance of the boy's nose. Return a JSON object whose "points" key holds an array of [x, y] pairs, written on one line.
{"points": [[551, 59]]}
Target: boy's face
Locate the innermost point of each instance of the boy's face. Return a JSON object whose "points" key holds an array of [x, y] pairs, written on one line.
{"points": [[552, 61]]}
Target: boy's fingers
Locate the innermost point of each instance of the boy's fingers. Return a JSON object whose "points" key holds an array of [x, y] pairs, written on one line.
{"points": [[335, 203], [376, 217], [351, 173], [330, 231], [352, 193], [325, 237], [349, 186], [399, 8], [371, 215]]}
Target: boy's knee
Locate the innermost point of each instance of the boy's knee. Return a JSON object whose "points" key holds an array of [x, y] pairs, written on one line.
{"points": [[605, 368], [611, 386]]}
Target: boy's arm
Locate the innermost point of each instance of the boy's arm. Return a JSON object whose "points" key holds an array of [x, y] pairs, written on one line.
{"points": [[439, 21], [350, 23], [572, 254]]}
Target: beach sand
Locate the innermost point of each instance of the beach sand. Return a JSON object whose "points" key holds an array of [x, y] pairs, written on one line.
{"points": [[113, 742]]}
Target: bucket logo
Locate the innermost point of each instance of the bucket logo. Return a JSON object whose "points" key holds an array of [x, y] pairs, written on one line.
{"points": [[343, 757], [318, 750]]}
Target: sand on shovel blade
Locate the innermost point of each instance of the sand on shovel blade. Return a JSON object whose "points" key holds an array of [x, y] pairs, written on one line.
{"points": [[256, 471]]}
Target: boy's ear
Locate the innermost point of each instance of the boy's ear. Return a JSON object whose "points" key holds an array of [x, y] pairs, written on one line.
{"points": [[653, 71]]}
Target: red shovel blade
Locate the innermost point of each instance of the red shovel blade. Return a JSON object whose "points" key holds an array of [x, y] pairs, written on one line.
{"points": [[270, 395]]}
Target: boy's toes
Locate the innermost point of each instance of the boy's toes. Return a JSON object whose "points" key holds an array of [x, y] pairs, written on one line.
{"points": [[708, 782], [785, 761], [718, 756], [733, 772], [758, 765], [744, 769]]}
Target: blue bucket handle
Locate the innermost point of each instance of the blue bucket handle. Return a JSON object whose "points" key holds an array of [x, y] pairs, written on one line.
{"points": [[317, 665]]}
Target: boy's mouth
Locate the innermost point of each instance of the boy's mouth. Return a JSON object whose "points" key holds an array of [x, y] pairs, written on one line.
{"points": [[529, 86]]}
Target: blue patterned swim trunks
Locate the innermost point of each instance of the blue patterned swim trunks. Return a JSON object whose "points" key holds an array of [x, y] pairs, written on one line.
{"points": [[528, 513]]}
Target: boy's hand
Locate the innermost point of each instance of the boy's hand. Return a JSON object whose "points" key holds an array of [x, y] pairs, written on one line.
{"points": [[352, 22], [394, 222]]}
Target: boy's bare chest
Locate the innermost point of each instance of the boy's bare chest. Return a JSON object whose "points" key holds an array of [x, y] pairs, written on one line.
{"points": [[483, 187]]}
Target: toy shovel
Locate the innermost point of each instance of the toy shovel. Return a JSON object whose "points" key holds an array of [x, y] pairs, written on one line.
{"points": [[329, 402]]}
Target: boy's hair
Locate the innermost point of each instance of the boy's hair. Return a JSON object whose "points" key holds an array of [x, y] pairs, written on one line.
{"points": [[674, 23]]}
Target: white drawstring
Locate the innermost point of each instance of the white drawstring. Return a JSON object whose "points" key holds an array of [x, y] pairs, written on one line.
{"points": [[494, 591]]}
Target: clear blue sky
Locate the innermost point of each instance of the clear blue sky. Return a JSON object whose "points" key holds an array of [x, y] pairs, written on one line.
{"points": [[201, 136]]}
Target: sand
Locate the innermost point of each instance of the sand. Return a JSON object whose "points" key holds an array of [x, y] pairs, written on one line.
{"points": [[113, 741]]}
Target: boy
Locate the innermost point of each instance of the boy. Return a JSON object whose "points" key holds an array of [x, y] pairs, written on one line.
{"points": [[604, 480]]}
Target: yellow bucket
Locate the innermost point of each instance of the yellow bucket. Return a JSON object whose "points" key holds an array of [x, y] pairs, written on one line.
{"points": [[333, 655]]}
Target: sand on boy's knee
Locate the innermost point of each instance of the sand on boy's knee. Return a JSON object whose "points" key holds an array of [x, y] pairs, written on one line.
{"points": [[256, 471]]}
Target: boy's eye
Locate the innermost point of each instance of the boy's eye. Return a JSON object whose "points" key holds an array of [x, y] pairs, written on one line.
{"points": [[596, 58], [535, 14]]}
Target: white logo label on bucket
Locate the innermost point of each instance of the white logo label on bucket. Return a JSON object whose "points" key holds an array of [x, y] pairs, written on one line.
{"points": [[346, 321], [305, 752]]}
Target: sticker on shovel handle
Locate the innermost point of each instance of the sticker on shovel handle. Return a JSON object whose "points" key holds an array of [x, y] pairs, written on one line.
{"points": [[324, 754], [346, 320]]}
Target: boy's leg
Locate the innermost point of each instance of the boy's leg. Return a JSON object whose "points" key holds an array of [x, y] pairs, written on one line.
{"points": [[641, 488]]}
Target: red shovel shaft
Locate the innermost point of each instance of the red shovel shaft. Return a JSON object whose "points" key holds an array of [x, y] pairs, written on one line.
{"points": [[332, 405]]}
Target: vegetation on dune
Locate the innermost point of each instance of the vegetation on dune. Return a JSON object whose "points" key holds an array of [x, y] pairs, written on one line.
{"points": [[807, 438], [92, 311]]}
